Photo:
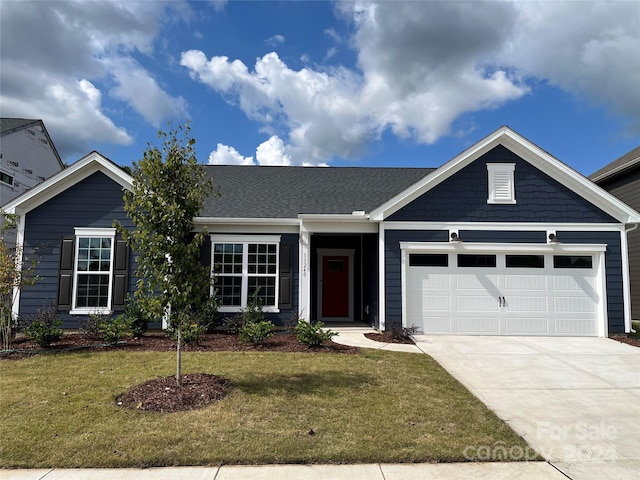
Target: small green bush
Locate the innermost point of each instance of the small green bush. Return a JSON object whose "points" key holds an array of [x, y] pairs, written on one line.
{"points": [[208, 313], [112, 330], [44, 328], [312, 335], [234, 323], [192, 331], [137, 317], [256, 332]]}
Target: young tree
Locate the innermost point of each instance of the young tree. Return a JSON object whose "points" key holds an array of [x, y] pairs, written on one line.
{"points": [[15, 272], [169, 189]]}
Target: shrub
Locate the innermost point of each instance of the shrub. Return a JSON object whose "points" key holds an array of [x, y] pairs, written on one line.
{"points": [[208, 313], [44, 328], [255, 328], [399, 332], [312, 335], [89, 326], [256, 332], [112, 330], [234, 323], [137, 317], [191, 331]]}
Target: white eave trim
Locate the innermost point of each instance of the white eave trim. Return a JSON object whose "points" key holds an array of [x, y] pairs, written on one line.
{"points": [[502, 247], [530, 153], [70, 176], [245, 221], [335, 217]]}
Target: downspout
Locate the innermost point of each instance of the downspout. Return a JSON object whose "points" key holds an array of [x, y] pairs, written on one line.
{"points": [[626, 268]]}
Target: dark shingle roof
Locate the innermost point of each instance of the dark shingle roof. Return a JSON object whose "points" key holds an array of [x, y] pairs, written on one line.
{"points": [[628, 160], [286, 192]]}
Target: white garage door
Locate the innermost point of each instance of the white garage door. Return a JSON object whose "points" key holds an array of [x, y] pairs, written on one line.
{"points": [[503, 293]]}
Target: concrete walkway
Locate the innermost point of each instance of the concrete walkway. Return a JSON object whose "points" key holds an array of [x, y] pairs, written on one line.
{"points": [[575, 400], [493, 471]]}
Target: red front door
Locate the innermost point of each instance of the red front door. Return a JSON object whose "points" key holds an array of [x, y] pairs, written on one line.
{"points": [[335, 286]]}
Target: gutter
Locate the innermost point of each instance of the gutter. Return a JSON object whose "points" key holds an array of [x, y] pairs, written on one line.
{"points": [[633, 226]]}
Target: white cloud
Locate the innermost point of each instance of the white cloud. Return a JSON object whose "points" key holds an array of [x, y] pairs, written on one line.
{"points": [[275, 40], [226, 155], [56, 57], [422, 65], [136, 86], [591, 49], [273, 153]]}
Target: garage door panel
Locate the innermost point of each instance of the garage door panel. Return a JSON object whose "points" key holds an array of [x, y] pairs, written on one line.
{"points": [[568, 326], [479, 325], [476, 303], [528, 326], [518, 283], [475, 282], [436, 324], [527, 304], [574, 305]]}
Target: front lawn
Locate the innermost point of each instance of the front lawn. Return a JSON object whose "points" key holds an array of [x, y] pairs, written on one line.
{"points": [[60, 411]]}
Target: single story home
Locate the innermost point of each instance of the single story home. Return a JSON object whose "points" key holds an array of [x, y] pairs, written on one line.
{"points": [[503, 239]]}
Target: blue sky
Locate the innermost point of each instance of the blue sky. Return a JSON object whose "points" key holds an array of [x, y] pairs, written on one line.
{"points": [[326, 83]]}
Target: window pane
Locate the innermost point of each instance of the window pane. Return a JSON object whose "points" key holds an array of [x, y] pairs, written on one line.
{"points": [[229, 291], [572, 261], [525, 261], [260, 261], [227, 258], [468, 260], [266, 287], [428, 260], [93, 290]]}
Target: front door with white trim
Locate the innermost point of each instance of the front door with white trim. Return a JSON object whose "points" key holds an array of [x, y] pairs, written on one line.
{"points": [[335, 285]]}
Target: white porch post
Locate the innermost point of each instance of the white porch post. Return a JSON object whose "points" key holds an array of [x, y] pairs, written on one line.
{"points": [[304, 282]]}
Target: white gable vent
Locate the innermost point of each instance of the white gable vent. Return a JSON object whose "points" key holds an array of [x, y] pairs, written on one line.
{"points": [[501, 189]]}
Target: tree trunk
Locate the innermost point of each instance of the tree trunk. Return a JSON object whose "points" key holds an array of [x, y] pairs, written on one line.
{"points": [[179, 357]]}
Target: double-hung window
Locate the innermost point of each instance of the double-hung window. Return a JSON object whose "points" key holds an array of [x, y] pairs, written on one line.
{"points": [[244, 265], [93, 270]]}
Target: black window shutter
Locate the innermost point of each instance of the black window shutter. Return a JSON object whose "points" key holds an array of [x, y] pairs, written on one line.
{"points": [[286, 276], [120, 275], [65, 273]]}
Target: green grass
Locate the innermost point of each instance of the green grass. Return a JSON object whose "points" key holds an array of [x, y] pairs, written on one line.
{"points": [[59, 411]]}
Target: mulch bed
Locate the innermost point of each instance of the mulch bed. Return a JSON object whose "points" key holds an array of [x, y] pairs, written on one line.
{"points": [[386, 337], [628, 340], [158, 342], [163, 395]]}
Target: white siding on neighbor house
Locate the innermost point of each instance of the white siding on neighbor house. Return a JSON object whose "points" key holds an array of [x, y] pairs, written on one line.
{"points": [[28, 157]]}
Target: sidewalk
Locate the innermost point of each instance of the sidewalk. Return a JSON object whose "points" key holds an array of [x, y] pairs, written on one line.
{"points": [[493, 471]]}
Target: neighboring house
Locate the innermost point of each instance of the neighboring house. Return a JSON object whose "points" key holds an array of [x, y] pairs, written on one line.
{"points": [[621, 178], [27, 156], [503, 239]]}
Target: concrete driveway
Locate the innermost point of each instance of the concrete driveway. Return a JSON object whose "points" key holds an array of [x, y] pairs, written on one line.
{"points": [[575, 400]]}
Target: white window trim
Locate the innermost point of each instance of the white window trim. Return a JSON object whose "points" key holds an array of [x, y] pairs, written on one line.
{"points": [[495, 169], [245, 240], [81, 232]]}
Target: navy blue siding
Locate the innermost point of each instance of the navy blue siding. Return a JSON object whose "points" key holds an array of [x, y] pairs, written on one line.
{"points": [[463, 197], [502, 236], [613, 271], [393, 273], [94, 202]]}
